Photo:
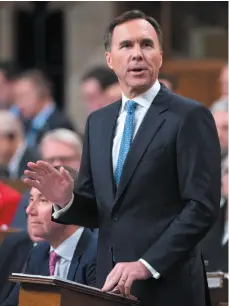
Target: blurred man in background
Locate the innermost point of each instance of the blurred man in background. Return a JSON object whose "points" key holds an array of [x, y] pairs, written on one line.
{"points": [[8, 71], [168, 80], [215, 244], [14, 153], [99, 87], [223, 83], [60, 147], [220, 114], [32, 93]]}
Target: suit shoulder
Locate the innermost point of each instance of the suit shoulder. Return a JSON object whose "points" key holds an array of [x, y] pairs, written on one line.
{"points": [[106, 109], [184, 106]]}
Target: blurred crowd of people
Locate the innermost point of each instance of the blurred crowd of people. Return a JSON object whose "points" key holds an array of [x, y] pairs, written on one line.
{"points": [[32, 127]]}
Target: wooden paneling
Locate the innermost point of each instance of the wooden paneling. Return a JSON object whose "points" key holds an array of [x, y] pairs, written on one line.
{"points": [[196, 79]]}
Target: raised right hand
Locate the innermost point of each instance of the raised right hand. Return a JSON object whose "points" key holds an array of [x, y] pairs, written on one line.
{"points": [[56, 185]]}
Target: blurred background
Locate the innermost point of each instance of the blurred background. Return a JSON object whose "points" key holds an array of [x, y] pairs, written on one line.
{"points": [[53, 74], [65, 40]]}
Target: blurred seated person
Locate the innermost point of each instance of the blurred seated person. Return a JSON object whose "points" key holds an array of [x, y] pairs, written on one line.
{"points": [[223, 82], [67, 251], [215, 244], [14, 252], [60, 147], [8, 71], [14, 153], [32, 93], [9, 201], [220, 114], [168, 80], [99, 87]]}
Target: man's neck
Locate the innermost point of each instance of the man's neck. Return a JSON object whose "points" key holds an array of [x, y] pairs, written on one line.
{"points": [[131, 92], [61, 237]]}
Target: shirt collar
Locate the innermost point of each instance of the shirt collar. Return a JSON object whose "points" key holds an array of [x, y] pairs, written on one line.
{"points": [[67, 248], [40, 119], [145, 99]]}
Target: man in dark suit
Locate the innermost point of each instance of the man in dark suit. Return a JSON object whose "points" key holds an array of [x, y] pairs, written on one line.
{"points": [[149, 177], [33, 96], [13, 254], [215, 244], [81, 269], [14, 152], [69, 251]]}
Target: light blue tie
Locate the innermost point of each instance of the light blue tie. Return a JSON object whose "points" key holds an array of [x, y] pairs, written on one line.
{"points": [[127, 138]]}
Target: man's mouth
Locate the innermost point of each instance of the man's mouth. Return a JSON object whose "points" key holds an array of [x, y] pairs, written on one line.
{"points": [[139, 69]]}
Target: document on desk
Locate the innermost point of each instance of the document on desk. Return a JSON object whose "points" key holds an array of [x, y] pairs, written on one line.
{"points": [[215, 279], [64, 280]]}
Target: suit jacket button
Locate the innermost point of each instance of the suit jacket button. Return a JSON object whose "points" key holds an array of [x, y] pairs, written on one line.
{"points": [[115, 217]]}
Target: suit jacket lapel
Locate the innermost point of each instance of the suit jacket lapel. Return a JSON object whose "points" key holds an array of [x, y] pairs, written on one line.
{"points": [[108, 125], [81, 246], [147, 131], [44, 259]]}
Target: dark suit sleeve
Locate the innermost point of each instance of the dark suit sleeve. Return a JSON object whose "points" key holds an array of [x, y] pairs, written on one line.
{"points": [[13, 298], [91, 274], [199, 174], [83, 211]]}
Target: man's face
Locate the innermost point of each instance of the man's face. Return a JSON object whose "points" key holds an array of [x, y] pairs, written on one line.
{"points": [[221, 120], [92, 94], [113, 93], [135, 55], [224, 81], [26, 98], [8, 148], [39, 221], [4, 91], [60, 154]]}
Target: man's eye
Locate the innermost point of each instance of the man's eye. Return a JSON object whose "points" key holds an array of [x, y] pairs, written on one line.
{"points": [[126, 45], [147, 44]]}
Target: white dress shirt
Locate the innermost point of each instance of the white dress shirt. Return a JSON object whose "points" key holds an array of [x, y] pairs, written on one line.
{"points": [[144, 102], [66, 251]]}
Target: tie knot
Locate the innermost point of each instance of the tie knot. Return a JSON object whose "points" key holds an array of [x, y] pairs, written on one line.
{"points": [[130, 106]]}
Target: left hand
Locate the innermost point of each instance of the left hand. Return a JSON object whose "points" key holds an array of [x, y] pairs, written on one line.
{"points": [[121, 278]]}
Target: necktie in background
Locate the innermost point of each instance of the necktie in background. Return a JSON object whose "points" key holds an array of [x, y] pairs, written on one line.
{"points": [[127, 138]]}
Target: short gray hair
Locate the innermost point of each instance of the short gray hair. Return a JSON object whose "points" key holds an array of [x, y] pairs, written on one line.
{"points": [[220, 106], [65, 136]]}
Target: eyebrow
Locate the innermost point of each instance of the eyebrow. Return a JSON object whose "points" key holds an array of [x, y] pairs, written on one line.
{"points": [[143, 40]]}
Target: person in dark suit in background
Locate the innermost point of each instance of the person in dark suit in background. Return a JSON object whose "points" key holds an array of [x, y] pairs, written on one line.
{"points": [[149, 177], [32, 92], [215, 244], [14, 152], [68, 251], [14, 252], [59, 147], [99, 87]]}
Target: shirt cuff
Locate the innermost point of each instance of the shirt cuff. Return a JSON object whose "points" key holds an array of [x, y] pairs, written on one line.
{"points": [[154, 273], [58, 211]]}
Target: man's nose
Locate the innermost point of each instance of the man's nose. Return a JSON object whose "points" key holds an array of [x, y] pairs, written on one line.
{"points": [[31, 208], [137, 53]]}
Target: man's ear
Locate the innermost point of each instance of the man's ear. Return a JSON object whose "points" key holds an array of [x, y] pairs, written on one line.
{"points": [[161, 59], [109, 60]]}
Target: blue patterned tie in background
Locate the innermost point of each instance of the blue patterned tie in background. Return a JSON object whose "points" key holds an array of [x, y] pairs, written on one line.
{"points": [[127, 138]]}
